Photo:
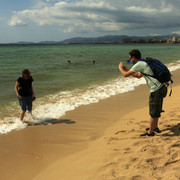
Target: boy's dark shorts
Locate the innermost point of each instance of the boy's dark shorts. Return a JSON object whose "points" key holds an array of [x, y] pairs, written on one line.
{"points": [[156, 102]]}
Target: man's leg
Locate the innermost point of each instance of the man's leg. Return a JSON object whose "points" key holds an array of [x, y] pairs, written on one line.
{"points": [[153, 124], [155, 109]]}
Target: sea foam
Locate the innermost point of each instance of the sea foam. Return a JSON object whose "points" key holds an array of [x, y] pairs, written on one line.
{"points": [[56, 105]]}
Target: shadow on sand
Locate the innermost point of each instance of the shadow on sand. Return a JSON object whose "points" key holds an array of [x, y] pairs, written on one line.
{"points": [[51, 121], [172, 130]]}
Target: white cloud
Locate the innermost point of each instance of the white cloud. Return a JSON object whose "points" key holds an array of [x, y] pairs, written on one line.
{"points": [[68, 30], [155, 34], [16, 21], [100, 15], [176, 32], [143, 10], [110, 26]]}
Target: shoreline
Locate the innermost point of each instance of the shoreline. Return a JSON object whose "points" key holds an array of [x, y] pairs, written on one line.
{"points": [[43, 145], [39, 151], [120, 152]]}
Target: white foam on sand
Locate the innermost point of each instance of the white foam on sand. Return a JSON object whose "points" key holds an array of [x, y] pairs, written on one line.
{"points": [[56, 105], [11, 124]]}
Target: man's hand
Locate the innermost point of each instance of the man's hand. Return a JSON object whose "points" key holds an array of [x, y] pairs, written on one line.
{"points": [[126, 72], [122, 67]]}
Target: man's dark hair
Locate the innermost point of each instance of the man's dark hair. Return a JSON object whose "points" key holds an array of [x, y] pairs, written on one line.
{"points": [[135, 53]]}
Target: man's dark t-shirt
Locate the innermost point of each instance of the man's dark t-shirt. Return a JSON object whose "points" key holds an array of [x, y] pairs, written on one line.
{"points": [[25, 86]]}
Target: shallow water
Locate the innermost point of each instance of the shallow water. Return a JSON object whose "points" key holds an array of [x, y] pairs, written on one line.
{"points": [[59, 86]]}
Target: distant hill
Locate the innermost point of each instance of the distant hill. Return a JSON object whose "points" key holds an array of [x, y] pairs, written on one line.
{"points": [[111, 38], [101, 39], [91, 40]]}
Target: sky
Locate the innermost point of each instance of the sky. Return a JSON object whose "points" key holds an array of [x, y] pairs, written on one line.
{"points": [[57, 20]]}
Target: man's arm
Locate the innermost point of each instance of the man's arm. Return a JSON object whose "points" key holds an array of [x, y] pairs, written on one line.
{"points": [[126, 73]]}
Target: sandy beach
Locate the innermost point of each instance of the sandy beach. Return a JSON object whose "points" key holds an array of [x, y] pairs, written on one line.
{"points": [[99, 141]]}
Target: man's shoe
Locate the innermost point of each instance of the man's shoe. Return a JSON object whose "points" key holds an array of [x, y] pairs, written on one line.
{"points": [[156, 130], [147, 134]]}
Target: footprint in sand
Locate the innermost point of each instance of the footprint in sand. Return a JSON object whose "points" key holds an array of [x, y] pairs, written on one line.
{"points": [[140, 142], [176, 155], [176, 144], [112, 140], [122, 131]]}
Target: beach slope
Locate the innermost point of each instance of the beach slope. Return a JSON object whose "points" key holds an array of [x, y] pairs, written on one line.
{"points": [[99, 141], [120, 153]]}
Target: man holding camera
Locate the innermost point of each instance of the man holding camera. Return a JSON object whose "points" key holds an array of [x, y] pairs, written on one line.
{"points": [[158, 90]]}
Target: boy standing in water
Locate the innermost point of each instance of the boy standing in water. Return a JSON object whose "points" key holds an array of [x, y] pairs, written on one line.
{"points": [[158, 90], [24, 92]]}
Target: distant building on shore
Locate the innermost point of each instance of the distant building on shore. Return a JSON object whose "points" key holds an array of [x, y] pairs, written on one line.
{"points": [[155, 40], [176, 40], [172, 40]]}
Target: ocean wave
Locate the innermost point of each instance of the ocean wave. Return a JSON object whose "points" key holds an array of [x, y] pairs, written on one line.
{"points": [[56, 105]]}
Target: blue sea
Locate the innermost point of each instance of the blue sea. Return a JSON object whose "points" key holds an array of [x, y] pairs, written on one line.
{"points": [[59, 86]]}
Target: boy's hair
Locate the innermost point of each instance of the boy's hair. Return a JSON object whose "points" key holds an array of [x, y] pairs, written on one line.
{"points": [[135, 53]]}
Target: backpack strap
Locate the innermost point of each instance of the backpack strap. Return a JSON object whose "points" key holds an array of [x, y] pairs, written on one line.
{"points": [[170, 84], [145, 73], [148, 75]]}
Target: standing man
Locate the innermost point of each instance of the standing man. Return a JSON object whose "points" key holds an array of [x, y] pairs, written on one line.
{"points": [[24, 92], [158, 90]]}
